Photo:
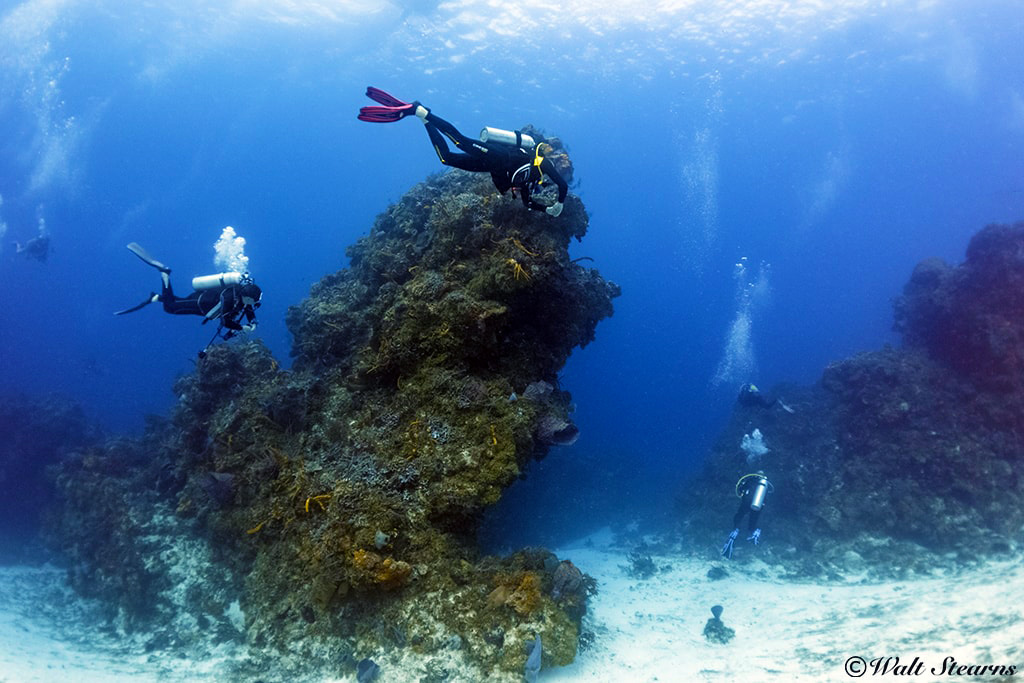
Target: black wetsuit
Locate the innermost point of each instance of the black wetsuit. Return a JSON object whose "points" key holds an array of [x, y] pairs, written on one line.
{"points": [[744, 509], [751, 397], [510, 167], [205, 303]]}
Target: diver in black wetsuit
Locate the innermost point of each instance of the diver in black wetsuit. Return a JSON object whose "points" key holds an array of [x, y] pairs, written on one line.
{"points": [[512, 167], [752, 489], [228, 300], [37, 248], [515, 161], [752, 397]]}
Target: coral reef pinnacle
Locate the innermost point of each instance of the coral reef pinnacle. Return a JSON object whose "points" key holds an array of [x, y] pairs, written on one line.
{"points": [[900, 460], [342, 496]]}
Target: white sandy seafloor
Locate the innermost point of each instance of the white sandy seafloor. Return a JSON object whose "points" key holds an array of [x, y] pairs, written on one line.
{"points": [[49, 635], [652, 630], [645, 630]]}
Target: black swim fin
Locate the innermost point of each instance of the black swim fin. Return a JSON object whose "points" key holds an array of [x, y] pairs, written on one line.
{"points": [[152, 298], [144, 255]]}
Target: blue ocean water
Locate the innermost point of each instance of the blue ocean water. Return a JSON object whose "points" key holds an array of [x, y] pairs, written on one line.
{"points": [[762, 176]]}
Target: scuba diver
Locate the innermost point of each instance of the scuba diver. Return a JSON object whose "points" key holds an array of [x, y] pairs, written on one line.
{"points": [[225, 297], [514, 159], [752, 397], [37, 248], [752, 489]]}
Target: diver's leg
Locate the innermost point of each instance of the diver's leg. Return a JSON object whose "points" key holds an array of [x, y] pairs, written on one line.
{"points": [[167, 292], [462, 161], [439, 143], [740, 513], [465, 144], [752, 520], [172, 304], [177, 305]]}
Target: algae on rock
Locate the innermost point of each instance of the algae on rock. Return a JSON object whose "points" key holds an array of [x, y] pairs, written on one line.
{"points": [[344, 494], [902, 460]]}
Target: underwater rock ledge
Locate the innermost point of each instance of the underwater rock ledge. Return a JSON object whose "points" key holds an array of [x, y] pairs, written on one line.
{"points": [[36, 433], [342, 497], [902, 460]]}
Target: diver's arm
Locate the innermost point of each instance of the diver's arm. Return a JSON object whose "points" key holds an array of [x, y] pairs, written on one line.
{"points": [[250, 317], [548, 167]]}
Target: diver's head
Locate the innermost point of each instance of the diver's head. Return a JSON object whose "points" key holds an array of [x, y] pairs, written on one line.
{"points": [[251, 295], [544, 149]]}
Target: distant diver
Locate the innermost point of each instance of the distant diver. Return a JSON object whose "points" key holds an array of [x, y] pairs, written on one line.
{"points": [[752, 489], [752, 397], [225, 297], [37, 248], [514, 159]]}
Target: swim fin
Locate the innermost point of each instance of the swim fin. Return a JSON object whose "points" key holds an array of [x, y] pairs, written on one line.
{"points": [[152, 298], [381, 97], [384, 114], [144, 255], [394, 109]]}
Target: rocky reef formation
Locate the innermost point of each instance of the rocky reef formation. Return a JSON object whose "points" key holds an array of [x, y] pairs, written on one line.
{"points": [[902, 458], [970, 317], [35, 433], [337, 502]]}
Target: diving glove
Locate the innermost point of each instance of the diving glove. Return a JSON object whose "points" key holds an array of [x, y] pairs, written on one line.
{"points": [[755, 537], [554, 210], [727, 548]]}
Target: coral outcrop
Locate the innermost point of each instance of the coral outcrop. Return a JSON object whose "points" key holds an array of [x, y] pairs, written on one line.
{"points": [[898, 450], [970, 317], [35, 433], [342, 496]]}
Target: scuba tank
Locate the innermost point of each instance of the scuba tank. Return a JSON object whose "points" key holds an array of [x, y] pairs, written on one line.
{"points": [[217, 281], [507, 137], [760, 489]]}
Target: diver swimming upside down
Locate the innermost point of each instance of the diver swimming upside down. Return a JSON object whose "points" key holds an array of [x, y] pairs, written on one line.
{"points": [[515, 160]]}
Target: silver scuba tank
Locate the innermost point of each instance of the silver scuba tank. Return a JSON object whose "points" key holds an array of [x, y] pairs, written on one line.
{"points": [[760, 490], [507, 137], [216, 281]]}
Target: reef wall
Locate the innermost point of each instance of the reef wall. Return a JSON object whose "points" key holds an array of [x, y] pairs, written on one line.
{"points": [[898, 459], [35, 433], [342, 496]]}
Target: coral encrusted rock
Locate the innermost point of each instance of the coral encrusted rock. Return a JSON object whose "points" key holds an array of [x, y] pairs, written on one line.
{"points": [[972, 316], [35, 433], [343, 495], [903, 459]]}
